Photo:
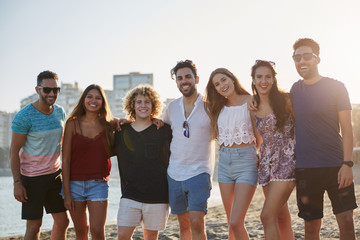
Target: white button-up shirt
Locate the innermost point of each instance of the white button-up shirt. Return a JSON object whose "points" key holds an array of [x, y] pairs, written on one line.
{"points": [[194, 155]]}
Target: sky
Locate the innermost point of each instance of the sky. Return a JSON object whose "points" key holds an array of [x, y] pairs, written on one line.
{"points": [[89, 41]]}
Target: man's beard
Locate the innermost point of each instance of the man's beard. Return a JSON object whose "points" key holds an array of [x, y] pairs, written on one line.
{"points": [[43, 99], [189, 93]]}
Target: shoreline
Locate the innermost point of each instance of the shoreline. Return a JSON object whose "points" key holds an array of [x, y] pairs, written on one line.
{"points": [[216, 224]]}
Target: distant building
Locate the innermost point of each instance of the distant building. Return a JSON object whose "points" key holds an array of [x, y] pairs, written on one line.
{"points": [[166, 104], [5, 128], [69, 96], [30, 99], [122, 84]]}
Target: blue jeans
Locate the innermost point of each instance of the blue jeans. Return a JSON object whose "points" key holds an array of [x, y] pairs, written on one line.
{"points": [[189, 195]]}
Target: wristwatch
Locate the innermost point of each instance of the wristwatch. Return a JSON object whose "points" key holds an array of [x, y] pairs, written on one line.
{"points": [[349, 163]]}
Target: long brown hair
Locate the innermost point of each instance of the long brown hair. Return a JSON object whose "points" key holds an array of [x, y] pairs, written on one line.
{"points": [[280, 101], [214, 102], [104, 114]]}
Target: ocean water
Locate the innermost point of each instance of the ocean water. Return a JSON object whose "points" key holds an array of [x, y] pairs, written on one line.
{"points": [[10, 209]]}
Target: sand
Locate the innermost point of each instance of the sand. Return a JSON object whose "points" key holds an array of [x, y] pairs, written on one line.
{"points": [[216, 227]]}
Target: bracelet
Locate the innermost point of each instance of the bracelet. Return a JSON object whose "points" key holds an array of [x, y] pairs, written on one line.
{"points": [[16, 181]]}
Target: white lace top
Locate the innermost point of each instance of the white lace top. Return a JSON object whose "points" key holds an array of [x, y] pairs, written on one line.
{"points": [[235, 126]]}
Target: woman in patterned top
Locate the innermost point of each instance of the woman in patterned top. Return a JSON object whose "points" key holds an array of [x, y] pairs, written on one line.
{"points": [[274, 120]]}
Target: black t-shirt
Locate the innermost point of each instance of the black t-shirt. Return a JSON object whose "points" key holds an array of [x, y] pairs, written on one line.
{"points": [[143, 158]]}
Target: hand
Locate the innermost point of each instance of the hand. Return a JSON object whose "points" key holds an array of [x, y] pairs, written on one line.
{"points": [[120, 122], [252, 104], [345, 176], [20, 192], [158, 122], [258, 160], [69, 202]]}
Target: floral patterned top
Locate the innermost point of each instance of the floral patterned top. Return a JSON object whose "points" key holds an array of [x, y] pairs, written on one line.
{"points": [[277, 151]]}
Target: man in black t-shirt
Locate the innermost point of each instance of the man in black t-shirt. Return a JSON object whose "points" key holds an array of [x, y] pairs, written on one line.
{"points": [[143, 156]]}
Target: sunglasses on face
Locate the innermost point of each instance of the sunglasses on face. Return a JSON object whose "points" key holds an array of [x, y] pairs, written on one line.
{"points": [[271, 62], [48, 89], [186, 129], [305, 56]]}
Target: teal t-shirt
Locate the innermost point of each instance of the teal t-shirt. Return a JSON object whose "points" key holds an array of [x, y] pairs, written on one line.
{"points": [[40, 154]]}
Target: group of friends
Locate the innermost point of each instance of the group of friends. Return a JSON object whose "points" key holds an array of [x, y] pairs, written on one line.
{"points": [[272, 138]]}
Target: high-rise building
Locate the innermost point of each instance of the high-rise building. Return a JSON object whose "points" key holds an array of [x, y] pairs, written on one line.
{"points": [[5, 128], [122, 84], [69, 96]]}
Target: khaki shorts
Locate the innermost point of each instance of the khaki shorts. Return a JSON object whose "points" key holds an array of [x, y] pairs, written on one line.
{"points": [[153, 215]]}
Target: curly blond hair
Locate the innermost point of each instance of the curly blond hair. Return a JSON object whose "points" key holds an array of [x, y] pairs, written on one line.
{"points": [[147, 91]]}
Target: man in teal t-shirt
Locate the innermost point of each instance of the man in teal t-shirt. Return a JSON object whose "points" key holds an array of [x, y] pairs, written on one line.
{"points": [[35, 159]]}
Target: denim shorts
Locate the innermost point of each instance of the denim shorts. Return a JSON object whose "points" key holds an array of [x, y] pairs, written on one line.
{"points": [[238, 165], [189, 195], [91, 190]]}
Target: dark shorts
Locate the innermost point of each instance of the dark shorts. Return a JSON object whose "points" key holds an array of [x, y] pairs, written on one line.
{"points": [[42, 191], [311, 183]]}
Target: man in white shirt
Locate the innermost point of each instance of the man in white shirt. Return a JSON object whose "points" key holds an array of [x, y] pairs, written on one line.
{"points": [[190, 164]]}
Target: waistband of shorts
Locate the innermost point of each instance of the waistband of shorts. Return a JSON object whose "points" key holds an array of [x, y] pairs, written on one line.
{"points": [[42, 177], [244, 148]]}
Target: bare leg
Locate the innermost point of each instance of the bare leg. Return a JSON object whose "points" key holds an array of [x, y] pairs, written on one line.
{"points": [[197, 223], [227, 196], [242, 198], [275, 216], [150, 235], [346, 224], [184, 225], [33, 229], [61, 222], [79, 218], [284, 221], [312, 229], [97, 217], [125, 233]]}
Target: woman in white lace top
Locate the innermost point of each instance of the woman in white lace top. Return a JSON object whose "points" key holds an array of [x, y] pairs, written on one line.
{"points": [[226, 104]]}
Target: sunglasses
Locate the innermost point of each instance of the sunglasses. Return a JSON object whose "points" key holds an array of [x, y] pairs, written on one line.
{"points": [[49, 89], [186, 129], [305, 56], [271, 62]]}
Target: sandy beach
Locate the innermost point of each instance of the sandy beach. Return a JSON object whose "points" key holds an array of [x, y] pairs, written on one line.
{"points": [[216, 226]]}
